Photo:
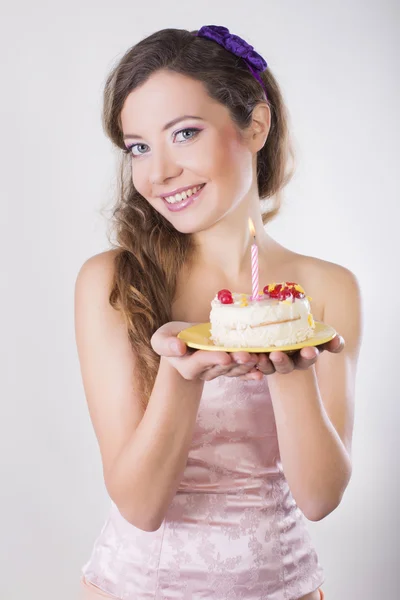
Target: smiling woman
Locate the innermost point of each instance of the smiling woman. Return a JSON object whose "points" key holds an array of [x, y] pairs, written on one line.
{"points": [[217, 155], [212, 460]]}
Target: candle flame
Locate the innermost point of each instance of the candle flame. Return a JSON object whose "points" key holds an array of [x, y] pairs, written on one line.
{"points": [[252, 228]]}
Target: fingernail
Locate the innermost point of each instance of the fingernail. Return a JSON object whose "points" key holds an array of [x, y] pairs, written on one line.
{"points": [[277, 359]]}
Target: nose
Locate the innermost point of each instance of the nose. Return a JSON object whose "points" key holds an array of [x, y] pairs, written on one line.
{"points": [[163, 167]]}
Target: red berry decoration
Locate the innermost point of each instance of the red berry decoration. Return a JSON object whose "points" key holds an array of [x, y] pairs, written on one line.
{"points": [[298, 294], [223, 292], [283, 291], [284, 294], [226, 299]]}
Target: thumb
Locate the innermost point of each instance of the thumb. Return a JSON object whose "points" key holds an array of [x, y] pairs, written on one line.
{"points": [[165, 342], [177, 347]]}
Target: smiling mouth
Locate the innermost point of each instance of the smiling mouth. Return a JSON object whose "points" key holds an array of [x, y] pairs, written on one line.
{"points": [[183, 195], [180, 204]]}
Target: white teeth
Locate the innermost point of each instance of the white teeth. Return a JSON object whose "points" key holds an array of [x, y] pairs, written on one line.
{"points": [[182, 195]]}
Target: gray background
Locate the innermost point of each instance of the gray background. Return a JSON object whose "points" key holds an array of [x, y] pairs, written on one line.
{"points": [[338, 67]]}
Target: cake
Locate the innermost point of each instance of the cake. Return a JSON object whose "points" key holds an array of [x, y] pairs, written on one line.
{"points": [[280, 316]]}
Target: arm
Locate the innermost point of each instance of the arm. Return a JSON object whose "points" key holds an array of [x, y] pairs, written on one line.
{"points": [[314, 408], [145, 476], [143, 452]]}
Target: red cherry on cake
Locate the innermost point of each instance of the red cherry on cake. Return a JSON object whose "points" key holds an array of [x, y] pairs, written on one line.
{"points": [[226, 299], [223, 292]]}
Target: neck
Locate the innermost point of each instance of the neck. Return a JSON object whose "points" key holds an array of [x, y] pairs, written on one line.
{"points": [[225, 248]]}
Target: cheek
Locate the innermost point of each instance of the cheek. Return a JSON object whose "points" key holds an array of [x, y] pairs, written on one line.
{"points": [[233, 167], [216, 156], [140, 179]]}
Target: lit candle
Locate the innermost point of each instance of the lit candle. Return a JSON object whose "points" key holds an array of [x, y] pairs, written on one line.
{"points": [[254, 262]]}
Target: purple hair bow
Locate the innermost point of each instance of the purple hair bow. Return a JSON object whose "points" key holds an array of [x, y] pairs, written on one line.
{"points": [[235, 44]]}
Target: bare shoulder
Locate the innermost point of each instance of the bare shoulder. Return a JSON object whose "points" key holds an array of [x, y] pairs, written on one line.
{"points": [[326, 269], [329, 281], [98, 269], [309, 268], [338, 293], [93, 287]]}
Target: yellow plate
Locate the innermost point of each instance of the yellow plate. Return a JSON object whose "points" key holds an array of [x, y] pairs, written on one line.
{"points": [[198, 336]]}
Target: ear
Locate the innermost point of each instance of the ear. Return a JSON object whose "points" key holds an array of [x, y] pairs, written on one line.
{"points": [[260, 126]]}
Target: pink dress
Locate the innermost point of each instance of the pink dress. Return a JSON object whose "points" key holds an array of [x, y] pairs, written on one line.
{"points": [[233, 530]]}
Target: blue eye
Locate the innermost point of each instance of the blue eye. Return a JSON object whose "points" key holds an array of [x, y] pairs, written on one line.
{"points": [[192, 131], [130, 149]]}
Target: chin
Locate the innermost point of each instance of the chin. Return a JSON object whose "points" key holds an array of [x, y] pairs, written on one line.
{"points": [[193, 219], [187, 228]]}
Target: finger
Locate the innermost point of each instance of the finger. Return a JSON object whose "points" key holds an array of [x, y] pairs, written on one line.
{"points": [[232, 370], [254, 375], [164, 341], [213, 372], [265, 365], [308, 353], [336, 345], [168, 346], [202, 360], [244, 363], [305, 358], [193, 365], [237, 370], [244, 358], [282, 362]]}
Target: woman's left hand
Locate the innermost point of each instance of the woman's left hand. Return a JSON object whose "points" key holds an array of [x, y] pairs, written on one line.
{"points": [[280, 362]]}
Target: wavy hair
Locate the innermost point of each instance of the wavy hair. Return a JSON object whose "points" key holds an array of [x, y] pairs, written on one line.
{"points": [[151, 251]]}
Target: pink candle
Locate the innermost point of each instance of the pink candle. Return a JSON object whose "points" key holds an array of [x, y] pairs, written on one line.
{"points": [[254, 262]]}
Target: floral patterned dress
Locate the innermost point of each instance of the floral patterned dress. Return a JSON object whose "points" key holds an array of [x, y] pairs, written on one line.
{"points": [[233, 530]]}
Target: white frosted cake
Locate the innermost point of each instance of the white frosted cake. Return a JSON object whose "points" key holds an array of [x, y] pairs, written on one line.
{"points": [[280, 316]]}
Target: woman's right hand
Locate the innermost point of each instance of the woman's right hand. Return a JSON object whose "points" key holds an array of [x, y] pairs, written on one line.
{"points": [[201, 364]]}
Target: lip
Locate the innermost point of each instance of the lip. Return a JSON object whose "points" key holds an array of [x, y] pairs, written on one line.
{"points": [[179, 190], [185, 203]]}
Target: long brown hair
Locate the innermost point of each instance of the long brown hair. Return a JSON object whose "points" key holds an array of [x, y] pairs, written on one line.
{"points": [[152, 252]]}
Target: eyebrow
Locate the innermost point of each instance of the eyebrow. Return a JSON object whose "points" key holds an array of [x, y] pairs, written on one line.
{"points": [[167, 126]]}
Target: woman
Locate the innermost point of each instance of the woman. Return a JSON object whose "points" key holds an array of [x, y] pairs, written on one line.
{"points": [[211, 459]]}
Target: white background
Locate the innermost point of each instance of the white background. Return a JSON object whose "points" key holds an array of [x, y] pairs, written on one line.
{"points": [[337, 64]]}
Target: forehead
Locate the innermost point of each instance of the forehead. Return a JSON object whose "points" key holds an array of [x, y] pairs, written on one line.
{"points": [[166, 96]]}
